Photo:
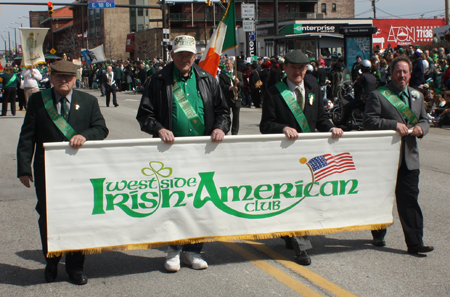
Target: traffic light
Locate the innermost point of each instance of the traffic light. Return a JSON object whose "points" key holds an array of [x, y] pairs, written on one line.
{"points": [[50, 8], [208, 2]]}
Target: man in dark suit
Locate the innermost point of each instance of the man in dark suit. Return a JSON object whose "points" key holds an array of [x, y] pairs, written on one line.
{"points": [[380, 114], [231, 83], [277, 117], [78, 115]]}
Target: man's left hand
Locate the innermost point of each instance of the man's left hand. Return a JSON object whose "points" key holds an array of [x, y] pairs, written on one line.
{"points": [[336, 132], [217, 135], [417, 131], [77, 141]]}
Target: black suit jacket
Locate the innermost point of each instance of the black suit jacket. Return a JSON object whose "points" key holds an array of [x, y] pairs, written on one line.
{"points": [[276, 113], [380, 114], [84, 117]]}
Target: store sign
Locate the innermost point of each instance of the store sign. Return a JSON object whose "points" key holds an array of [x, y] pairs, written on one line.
{"points": [[405, 32]]}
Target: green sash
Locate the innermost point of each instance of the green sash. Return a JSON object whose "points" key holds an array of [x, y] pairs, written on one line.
{"points": [[293, 106], [188, 110], [57, 119], [399, 105], [11, 80]]}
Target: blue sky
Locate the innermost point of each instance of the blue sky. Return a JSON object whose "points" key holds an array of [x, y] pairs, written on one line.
{"points": [[10, 15]]}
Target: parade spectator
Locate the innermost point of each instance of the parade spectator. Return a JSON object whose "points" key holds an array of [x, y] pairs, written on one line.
{"points": [[355, 68], [254, 88], [246, 93]]}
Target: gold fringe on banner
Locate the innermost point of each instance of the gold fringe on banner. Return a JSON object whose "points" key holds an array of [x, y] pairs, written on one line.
{"points": [[143, 246]]}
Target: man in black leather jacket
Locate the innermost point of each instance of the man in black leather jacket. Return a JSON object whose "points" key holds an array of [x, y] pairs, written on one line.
{"points": [[184, 100]]}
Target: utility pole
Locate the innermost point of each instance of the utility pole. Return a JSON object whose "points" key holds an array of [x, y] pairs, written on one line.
{"points": [[447, 20], [375, 9]]}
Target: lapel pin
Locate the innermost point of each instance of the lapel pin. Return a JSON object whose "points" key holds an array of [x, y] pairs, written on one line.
{"points": [[77, 107]]}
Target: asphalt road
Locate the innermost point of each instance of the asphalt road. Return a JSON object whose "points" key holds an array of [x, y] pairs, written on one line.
{"points": [[343, 264]]}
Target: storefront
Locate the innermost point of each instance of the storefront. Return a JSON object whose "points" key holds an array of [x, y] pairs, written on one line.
{"points": [[314, 37]]}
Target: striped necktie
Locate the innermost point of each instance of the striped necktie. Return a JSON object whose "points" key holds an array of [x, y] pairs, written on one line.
{"points": [[64, 108], [300, 100]]}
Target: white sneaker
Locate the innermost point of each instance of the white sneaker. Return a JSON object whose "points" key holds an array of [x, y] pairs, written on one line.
{"points": [[172, 260], [195, 260]]}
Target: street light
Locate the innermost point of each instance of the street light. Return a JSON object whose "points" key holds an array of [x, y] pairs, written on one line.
{"points": [[15, 38], [9, 41], [22, 17], [4, 41]]}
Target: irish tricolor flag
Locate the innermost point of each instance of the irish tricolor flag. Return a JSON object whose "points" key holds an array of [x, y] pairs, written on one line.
{"points": [[223, 38]]}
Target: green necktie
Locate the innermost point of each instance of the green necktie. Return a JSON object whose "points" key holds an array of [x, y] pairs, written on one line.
{"points": [[300, 99], [64, 108], [404, 98]]}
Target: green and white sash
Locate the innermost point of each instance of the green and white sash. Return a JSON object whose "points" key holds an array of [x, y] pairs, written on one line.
{"points": [[293, 106], [399, 105], [57, 119], [10, 81], [188, 110]]}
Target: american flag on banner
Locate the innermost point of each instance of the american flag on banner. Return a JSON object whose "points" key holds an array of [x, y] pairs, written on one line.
{"points": [[326, 165]]}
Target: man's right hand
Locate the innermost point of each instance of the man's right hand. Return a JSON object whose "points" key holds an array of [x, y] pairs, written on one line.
{"points": [[166, 136], [402, 129], [26, 180], [290, 133]]}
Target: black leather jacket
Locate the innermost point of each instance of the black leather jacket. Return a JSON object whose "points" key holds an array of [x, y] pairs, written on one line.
{"points": [[155, 109]]}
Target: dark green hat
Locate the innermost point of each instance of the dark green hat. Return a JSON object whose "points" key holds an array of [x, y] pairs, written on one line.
{"points": [[63, 67], [296, 57]]}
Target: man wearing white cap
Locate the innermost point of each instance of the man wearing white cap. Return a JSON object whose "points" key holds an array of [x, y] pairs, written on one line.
{"points": [[183, 100]]}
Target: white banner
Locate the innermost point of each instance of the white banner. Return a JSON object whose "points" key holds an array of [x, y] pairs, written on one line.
{"points": [[97, 54], [143, 193], [32, 41]]}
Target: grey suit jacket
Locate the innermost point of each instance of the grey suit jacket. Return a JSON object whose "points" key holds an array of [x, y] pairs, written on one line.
{"points": [[380, 114]]}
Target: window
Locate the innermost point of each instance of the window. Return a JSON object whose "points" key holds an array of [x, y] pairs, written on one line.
{"points": [[140, 12], [287, 8], [140, 27], [333, 7], [324, 8], [133, 28]]}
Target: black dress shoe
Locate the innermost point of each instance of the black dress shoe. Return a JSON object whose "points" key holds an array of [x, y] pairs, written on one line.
{"points": [[420, 249], [115, 105], [78, 277], [303, 258], [379, 242], [51, 272]]}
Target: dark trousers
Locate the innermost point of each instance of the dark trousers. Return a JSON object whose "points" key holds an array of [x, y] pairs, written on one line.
{"points": [[407, 195], [9, 95], [235, 109], [256, 97], [74, 260], [299, 243], [110, 89]]}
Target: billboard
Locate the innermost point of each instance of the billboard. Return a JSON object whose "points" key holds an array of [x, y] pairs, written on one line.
{"points": [[405, 32]]}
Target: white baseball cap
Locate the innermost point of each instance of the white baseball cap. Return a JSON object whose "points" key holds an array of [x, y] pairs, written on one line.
{"points": [[184, 43]]}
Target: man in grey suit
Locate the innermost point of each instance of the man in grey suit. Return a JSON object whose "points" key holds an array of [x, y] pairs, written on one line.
{"points": [[401, 108]]}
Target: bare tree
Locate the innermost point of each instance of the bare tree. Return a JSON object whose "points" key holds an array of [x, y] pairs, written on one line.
{"points": [[110, 45], [70, 43]]}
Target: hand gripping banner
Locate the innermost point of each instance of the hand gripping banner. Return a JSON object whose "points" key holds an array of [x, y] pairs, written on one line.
{"points": [[131, 194]]}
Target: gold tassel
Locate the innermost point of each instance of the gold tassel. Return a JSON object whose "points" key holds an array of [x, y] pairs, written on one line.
{"points": [[143, 246]]}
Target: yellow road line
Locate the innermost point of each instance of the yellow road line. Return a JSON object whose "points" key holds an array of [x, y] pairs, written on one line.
{"points": [[303, 271], [275, 272]]}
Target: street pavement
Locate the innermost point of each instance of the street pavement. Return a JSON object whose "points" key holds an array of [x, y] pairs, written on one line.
{"points": [[343, 264]]}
